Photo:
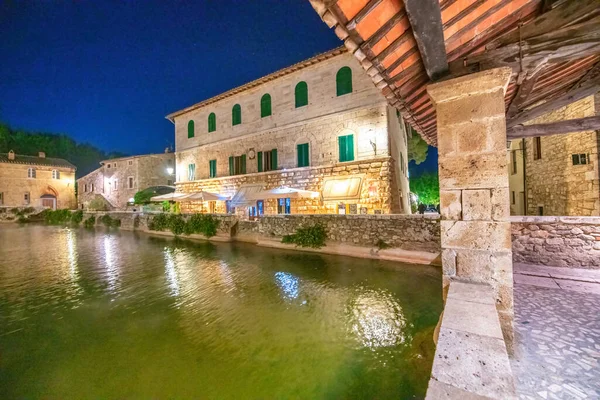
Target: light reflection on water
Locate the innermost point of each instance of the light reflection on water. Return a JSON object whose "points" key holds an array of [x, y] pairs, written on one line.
{"points": [[105, 315]]}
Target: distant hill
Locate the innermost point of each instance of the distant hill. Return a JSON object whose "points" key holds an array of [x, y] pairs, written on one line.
{"points": [[84, 156]]}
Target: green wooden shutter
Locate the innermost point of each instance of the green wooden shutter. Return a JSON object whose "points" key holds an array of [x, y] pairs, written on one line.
{"points": [[273, 159], [236, 115], [191, 128], [212, 122], [342, 148], [301, 94], [265, 105], [212, 166], [343, 81], [260, 162], [299, 150], [303, 155], [231, 165], [350, 148], [243, 164]]}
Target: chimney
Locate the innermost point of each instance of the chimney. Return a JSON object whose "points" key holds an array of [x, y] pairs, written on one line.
{"points": [[41, 154], [11, 155]]}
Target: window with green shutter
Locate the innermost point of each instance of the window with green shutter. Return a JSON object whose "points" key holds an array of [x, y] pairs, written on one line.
{"points": [[303, 159], [267, 160], [191, 172], [343, 81], [346, 148], [212, 169], [265, 105], [237, 165], [212, 122], [301, 94], [190, 128], [236, 115]]}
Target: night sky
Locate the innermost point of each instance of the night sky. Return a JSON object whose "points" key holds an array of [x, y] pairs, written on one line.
{"points": [[107, 73]]}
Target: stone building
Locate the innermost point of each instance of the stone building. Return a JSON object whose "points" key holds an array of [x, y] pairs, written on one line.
{"points": [[559, 172], [320, 125], [28, 181], [119, 179]]}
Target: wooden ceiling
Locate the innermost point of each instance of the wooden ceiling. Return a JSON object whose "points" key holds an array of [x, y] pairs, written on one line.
{"points": [[552, 46]]}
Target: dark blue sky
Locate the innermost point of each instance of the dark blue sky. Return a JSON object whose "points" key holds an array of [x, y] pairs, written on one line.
{"points": [[107, 73]]}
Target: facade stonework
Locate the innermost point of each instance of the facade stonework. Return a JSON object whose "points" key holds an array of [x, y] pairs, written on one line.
{"points": [[572, 242], [51, 185], [378, 141], [118, 180], [474, 203], [555, 186]]}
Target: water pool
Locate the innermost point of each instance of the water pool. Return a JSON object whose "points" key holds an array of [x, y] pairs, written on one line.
{"points": [[106, 315]]}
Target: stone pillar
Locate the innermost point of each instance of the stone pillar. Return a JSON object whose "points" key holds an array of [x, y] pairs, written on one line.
{"points": [[474, 196]]}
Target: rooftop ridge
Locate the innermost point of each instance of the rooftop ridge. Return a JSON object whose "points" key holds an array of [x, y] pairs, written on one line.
{"points": [[267, 78]]}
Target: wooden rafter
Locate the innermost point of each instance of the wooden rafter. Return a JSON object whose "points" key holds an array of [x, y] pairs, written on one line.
{"points": [[554, 128], [426, 21]]}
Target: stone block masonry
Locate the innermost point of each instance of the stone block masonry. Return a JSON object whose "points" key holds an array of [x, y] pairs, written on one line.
{"points": [[572, 242], [474, 202]]}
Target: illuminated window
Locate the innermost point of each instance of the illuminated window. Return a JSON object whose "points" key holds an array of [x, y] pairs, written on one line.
{"points": [[346, 148], [343, 81], [265, 105], [190, 128], [301, 94], [191, 172], [236, 115], [212, 122], [283, 206]]}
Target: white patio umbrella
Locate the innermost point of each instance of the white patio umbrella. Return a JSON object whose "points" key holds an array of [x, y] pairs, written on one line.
{"points": [[204, 196], [285, 192], [169, 197]]}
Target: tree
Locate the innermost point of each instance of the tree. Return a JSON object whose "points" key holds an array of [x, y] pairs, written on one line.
{"points": [[417, 148], [427, 187]]}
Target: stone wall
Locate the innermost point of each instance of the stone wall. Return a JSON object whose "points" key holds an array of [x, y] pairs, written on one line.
{"points": [[407, 232], [376, 189], [553, 182], [572, 242]]}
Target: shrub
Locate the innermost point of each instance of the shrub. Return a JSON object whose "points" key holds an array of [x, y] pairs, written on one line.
{"points": [[309, 236], [14, 210], [28, 210], [89, 222], [110, 222], [23, 220], [204, 224], [159, 222], [176, 224], [77, 217], [56, 217], [381, 245]]}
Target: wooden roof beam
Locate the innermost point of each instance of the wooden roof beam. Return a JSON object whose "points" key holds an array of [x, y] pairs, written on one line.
{"points": [[554, 128], [426, 20], [586, 89]]}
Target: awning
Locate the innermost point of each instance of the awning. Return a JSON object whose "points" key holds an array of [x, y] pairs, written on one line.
{"points": [[168, 197], [335, 189], [245, 194], [204, 196], [284, 192]]}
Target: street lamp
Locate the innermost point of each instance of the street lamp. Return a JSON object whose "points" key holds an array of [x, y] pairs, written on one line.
{"points": [[170, 170]]}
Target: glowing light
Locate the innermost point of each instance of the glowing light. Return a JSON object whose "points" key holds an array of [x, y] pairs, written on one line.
{"points": [[72, 252], [378, 320], [111, 267], [171, 272], [288, 284], [170, 170]]}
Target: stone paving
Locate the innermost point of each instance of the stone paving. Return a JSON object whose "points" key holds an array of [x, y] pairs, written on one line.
{"points": [[557, 333]]}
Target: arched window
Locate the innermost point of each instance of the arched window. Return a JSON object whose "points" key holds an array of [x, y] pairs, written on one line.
{"points": [[191, 128], [265, 105], [301, 93], [236, 115], [212, 122], [343, 81]]}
